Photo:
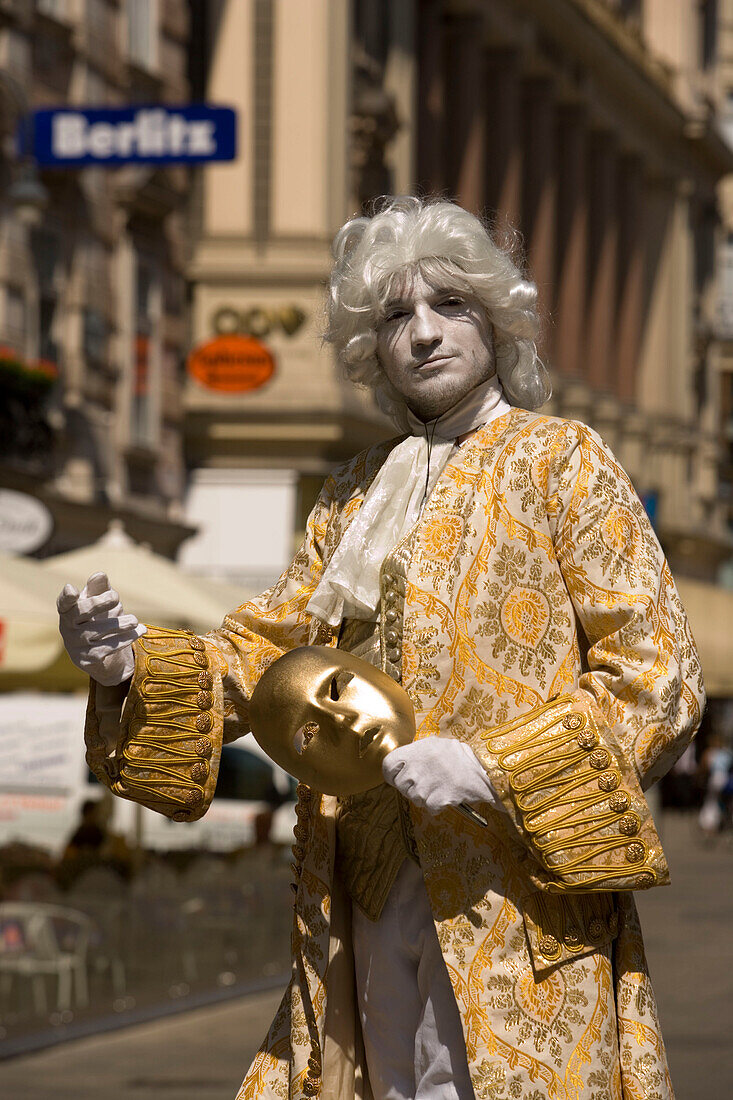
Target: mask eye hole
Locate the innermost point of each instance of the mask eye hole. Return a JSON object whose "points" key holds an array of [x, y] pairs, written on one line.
{"points": [[339, 683], [304, 736]]}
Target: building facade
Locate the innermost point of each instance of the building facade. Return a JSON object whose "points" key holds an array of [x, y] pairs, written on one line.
{"points": [[92, 281], [590, 127]]}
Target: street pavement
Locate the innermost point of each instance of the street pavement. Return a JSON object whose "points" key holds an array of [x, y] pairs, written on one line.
{"points": [[202, 1055]]}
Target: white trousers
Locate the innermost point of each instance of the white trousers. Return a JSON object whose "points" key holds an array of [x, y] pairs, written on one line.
{"points": [[413, 1037]]}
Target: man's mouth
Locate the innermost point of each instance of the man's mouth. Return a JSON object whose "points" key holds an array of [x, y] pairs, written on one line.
{"points": [[433, 361]]}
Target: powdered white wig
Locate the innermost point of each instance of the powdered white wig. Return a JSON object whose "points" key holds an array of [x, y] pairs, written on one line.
{"points": [[451, 249]]}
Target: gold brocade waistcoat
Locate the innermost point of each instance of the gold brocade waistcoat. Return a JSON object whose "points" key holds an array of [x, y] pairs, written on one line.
{"points": [[373, 829]]}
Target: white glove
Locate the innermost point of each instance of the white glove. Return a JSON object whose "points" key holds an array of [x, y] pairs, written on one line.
{"points": [[97, 634], [438, 772]]}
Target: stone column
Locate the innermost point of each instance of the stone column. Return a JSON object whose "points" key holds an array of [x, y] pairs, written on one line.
{"points": [[400, 80], [539, 197], [572, 242], [503, 154], [431, 97], [465, 112], [630, 277], [602, 261]]}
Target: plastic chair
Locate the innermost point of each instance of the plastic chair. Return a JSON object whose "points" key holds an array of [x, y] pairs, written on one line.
{"points": [[37, 940]]}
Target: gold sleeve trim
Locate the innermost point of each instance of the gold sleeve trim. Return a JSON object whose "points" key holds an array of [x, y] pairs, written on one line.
{"points": [[575, 798], [568, 926], [169, 744]]}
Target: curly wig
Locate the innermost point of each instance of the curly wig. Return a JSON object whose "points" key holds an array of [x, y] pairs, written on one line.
{"points": [[452, 249]]}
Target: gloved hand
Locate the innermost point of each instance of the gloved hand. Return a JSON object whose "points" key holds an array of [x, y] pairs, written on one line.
{"points": [[97, 634], [438, 772]]}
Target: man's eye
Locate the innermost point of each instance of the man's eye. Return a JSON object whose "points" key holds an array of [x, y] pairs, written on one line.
{"points": [[454, 300], [395, 314]]}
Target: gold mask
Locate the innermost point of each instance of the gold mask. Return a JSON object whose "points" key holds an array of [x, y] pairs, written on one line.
{"points": [[330, 718]]}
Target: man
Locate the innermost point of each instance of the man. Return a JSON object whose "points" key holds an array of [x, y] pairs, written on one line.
{"points": [[499, 565]]}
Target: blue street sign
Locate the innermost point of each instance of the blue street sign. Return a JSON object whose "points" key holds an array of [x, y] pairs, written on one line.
{"points": [[154, 134]]}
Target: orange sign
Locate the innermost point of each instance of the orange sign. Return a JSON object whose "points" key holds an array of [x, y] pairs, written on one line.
{"points": [[231, 364]]}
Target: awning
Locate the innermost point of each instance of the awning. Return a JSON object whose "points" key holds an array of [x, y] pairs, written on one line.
{"points": [[710, 611]]}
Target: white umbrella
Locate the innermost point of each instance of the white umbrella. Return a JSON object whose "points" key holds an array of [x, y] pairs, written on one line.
{"points": [[153, 588], [29, 636]]}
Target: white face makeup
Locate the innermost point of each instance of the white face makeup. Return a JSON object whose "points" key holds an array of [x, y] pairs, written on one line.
{"points": [[435, 346]]}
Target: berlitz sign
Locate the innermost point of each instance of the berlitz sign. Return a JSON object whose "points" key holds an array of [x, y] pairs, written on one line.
{"points": [[74, 137]]}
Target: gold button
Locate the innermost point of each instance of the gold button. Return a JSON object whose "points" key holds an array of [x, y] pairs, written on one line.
{"points": [[573, 721], [204, 723], [646, 879], [300, 832], [298, 852], [596, 929], [392, 637], [205, 680], [629, 824], [199, 772], [394, 653], [391, 616], [201, 660], [181, 815], [619, 802], [609, 781], [587, 739], [194, 797], [550, 947], [204, 746], [204, 700], [635, 851], [572, 937], [599, 759], [196, 643]]}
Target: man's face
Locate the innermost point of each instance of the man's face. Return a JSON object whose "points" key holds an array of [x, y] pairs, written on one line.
{"points": [[435, 345]]}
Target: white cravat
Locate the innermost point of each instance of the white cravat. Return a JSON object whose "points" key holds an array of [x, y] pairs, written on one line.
{"points": [[349, 587]]}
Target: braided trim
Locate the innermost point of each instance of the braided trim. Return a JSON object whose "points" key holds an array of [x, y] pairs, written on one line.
{"points": [[556, 768], [168, 753]]}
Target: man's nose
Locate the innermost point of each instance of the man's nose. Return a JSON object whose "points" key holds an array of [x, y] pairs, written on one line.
{"points": [[425, 327]]}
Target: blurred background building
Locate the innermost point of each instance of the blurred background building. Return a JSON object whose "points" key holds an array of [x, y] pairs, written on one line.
{"points": [[596, 129], [92, 278], [601, 130]]}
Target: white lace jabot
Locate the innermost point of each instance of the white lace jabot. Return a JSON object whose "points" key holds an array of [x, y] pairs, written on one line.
{"points": [[349, 587]]}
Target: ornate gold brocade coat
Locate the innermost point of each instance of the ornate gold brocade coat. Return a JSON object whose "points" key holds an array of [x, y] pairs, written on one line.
{"points": [[537, 620]]}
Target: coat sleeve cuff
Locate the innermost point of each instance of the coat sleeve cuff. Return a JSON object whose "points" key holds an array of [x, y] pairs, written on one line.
{"points": [[574, 798], [168, 742]]}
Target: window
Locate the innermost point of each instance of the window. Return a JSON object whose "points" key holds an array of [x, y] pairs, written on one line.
{"points": [[101, 24], [55, 9], [708, 32], [725, 288], [15, 320], [142, 32], [96, 339], [46, 245], [145, 355]]}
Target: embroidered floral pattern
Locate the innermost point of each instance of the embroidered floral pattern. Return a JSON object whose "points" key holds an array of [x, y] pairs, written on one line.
{"points": [[532, 529]]}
